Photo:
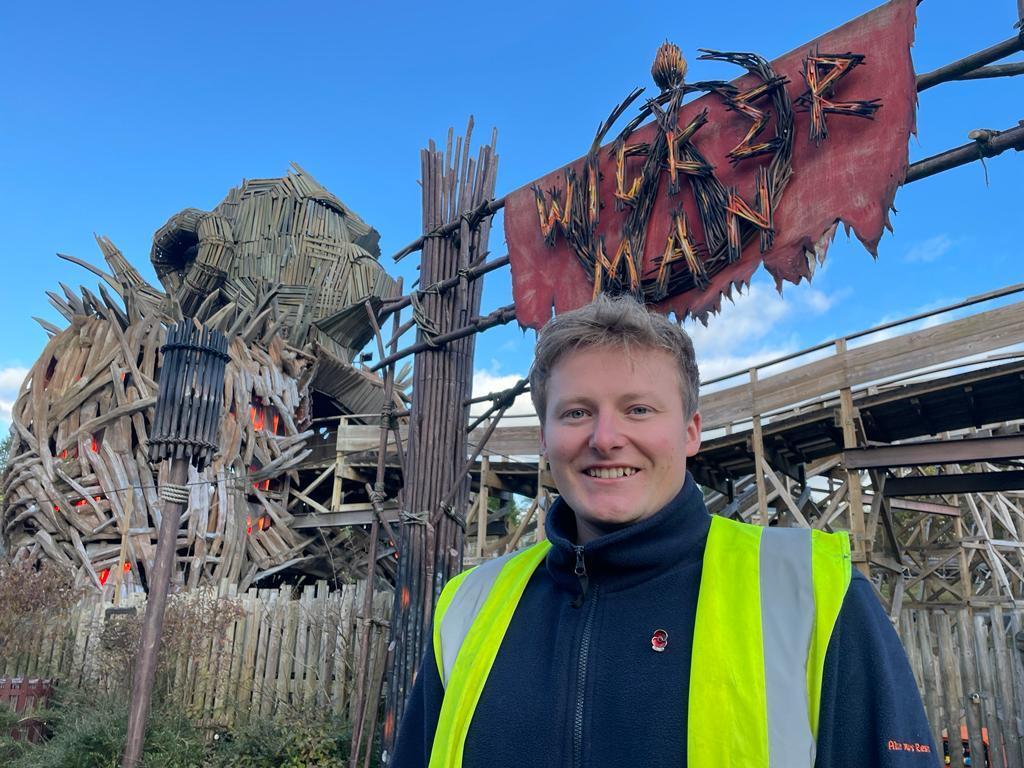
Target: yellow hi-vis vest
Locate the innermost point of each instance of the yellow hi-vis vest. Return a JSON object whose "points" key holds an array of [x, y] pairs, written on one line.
{"points": [[768, 602]]}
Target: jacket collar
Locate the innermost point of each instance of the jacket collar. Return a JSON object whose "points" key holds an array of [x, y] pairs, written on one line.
{"points": [[624, 558]]}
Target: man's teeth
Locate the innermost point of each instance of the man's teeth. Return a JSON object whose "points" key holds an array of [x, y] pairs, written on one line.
{"points": [[610, 473]]}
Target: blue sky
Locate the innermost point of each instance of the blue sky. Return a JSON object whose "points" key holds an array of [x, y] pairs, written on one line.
{"points": [[115, 116]]}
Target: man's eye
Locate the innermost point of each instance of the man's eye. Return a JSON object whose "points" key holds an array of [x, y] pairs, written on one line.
{"points": [[575, 413], [640, 410]]}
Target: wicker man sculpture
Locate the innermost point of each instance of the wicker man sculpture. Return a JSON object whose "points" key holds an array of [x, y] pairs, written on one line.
{"points": [[287, 271]]}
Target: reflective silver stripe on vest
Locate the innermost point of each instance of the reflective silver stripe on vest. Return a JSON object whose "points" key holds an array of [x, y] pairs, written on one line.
{"points": [[787, 620], [469, 598]]}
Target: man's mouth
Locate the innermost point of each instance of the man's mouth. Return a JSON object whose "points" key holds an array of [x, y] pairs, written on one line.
{"points": [[611, 473]]}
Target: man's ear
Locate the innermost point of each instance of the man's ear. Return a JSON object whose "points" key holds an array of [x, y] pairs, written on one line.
{"points": [[693, 435], [543, 442]]}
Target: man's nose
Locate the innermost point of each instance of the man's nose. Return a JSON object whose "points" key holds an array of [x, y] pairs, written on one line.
{"points": [[607, 433]]}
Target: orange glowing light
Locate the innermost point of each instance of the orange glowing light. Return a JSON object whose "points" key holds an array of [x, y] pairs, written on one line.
{"points": [[95, 445], [258, 414], [248, 526], [126, 567], [405, 597], [104, 575]]}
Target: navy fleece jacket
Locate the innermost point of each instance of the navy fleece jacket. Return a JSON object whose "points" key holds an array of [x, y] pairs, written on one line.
{"points": [[553, 699]]}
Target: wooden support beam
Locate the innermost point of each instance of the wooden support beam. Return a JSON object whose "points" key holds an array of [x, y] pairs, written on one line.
{"points": [[855, 491], [968, 482], [784, 494], [347, 514], [543, 479], [315, 484], [513, 540], [925, 507], [482, 505], [757, 444], [967, 451]]}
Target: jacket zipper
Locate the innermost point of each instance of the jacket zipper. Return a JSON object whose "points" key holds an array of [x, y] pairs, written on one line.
{"points": [[581, 668]]}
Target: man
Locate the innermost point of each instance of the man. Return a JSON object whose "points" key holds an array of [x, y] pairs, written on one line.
{"points": [[645, 632]]}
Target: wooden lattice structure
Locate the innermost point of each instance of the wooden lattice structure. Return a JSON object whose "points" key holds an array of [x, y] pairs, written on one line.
{"points": [[291, 276]]}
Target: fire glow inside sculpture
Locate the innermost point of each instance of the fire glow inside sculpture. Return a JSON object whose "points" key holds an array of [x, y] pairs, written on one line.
{"points": [[287, 272]]}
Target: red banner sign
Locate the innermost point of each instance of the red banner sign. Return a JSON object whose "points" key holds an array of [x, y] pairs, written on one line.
{"points": [[762, 169]]}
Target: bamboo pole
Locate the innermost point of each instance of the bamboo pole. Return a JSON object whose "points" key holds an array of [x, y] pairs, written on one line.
{"points": [[376, 495], [500, 316], [967, 64], [995, 70], [985, 144], [444, 285], [455, 188], [486, 208]]}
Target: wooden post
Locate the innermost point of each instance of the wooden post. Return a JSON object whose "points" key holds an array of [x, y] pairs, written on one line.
{"points": [[184, 432], [758, 446], [337, 494], [481, 504], [857, 522], [542, 472], [152, 628], [950, 675], [991, 719], [972, 691], [366, 706], [1004, 677]]}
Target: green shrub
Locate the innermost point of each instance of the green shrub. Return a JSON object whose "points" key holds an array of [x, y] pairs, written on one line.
{"points": [[289, 743], [9, 748], [89, 732]]}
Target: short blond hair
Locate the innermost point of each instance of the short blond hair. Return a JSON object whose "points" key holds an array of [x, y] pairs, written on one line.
{"points": [[619, 322]]}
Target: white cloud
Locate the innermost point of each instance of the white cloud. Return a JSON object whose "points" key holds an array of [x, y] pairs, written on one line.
{"points": [[931, 249], [818, 301], [747, 330], [11, 379], [491, 382]]}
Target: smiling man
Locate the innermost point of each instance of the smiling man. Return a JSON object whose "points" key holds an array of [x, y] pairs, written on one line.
{"points": [[643, 631], [618, 427]]}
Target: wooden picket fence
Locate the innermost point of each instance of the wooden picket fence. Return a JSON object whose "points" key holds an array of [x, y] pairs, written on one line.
{"points": [[285, 650], [968, 667]]}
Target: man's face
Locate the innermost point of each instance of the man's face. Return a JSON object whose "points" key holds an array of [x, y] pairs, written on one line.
{"points": [[616, 436]]}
